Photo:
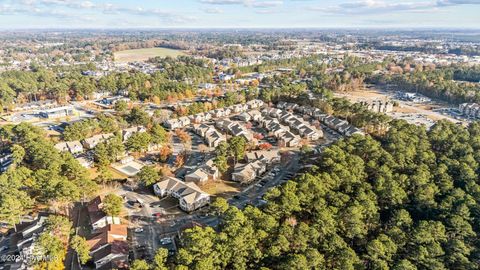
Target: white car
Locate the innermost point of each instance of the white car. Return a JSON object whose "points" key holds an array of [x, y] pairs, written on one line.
{"points": [[138, 230], [166, 240]]}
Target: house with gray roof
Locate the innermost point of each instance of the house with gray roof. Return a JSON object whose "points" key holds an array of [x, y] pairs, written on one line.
{"points": [[189, 195]]}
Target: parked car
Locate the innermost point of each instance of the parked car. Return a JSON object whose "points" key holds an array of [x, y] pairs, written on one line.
{"points": [[166, 240]]}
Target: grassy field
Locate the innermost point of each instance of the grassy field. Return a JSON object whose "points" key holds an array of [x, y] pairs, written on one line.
{"points": [[221, 188], [144, 54]]}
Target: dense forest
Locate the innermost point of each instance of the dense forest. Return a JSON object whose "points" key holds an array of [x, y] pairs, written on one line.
{"points": [[438, 84], [471, 50], [407, 200], [471, 74], [173, 82], [40, 174]]}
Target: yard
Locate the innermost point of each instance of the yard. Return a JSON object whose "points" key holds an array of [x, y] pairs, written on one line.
{"points": [[145, 54], [221, 188]]}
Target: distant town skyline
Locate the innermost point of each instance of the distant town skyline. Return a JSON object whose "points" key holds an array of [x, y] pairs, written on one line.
{"points": [[21, 14]]}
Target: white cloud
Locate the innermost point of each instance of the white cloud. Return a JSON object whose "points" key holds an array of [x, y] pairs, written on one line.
{"points": [[246, 3], [214, 10], [223, 2], [388, 6], [266, 4]]}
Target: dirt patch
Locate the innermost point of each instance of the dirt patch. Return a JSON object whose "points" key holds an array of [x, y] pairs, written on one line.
{"points": [[367, 94]]}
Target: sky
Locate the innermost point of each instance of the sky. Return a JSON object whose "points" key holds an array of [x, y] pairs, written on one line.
{"points": [[119, 14]]}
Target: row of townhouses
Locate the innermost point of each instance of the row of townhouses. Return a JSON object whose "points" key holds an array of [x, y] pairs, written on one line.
{"points": [[189, 195], [203, 173], [76, 147], [341, 126], [470, 109], [38, 105], [210, 134], [235, 129], [296, 123], [108, 243], [378, 106], [281, 132], [257, 164], [23, 242], [217, 113]]}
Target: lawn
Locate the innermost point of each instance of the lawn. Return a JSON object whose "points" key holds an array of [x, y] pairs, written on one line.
{"points": [[145, 54], [221, 188]]}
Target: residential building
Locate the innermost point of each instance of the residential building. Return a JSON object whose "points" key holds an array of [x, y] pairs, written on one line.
{"points": [[128, 132], [74, 147], [25, 238], [113, 255], [6, 161], [271, 156], [91, 142], [205, 172], [184, 121], [289, 139], [38, 105], [378, 106], [246, 173], [470, 109], [107, 235], [172, 124], [214, 138], [85, 161], [244, 117], [98, 218], [190, 196]]}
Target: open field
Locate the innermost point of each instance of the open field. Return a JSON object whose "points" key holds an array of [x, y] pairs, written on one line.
{"points": [[362, 95], [145, 54], [221, 188]]}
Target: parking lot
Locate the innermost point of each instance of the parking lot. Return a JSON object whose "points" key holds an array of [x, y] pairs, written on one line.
{"points": [[150, 218]]}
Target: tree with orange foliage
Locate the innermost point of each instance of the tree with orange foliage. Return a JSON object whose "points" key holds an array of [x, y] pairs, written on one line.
{"points": [[183, 136], [179, 160], [265, 146], [156, 100], [165, 152], [181, 111], [171, 99]]}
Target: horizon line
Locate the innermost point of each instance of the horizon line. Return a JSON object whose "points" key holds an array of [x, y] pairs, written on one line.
{"points": [[384, 28]]}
